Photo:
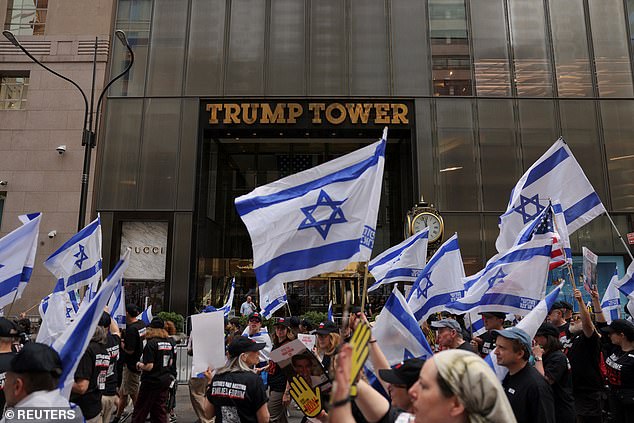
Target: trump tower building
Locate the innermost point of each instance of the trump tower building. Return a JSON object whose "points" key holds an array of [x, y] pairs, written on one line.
{"points": [[228, 95]]}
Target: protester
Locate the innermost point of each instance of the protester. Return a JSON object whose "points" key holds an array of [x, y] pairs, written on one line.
{"points": [[529, 394], [157, 375], [620, 369], [553, 364], [328, 340], [279, 397], [8, 335], [132, 348], [450, 335], [255, 331], [400, 380], [236, 392], [354, 318], [90, 377], [248, 307], [31, 382], [584, 355], [485, 343], [174, 339], [109, 399], [556, 316], [197, 388], [305, 326], [294, 323]]}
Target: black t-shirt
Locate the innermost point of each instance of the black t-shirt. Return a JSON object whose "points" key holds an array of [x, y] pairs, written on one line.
{"points": [[276, 379], [94, 367], [133, 340], [557, 369], [620, 367], [160, 352], [5, 360], [466, 347], [237, 396], [565, 337], [584, 356], [530, 396], [112, 345], [488, 343]]}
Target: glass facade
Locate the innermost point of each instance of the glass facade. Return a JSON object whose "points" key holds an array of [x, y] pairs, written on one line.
{"points": [[493, 83], [26, 17]]}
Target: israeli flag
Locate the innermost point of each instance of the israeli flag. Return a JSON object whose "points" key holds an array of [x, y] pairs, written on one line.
{"points": [[17, 256], [397, 332], [72, 344], [626, 286], [315, 221], [439, 283], [401, 263], [226, 309], [116, 304], [272, 298], [55, 315], [330, 318], [147, 316], [528, 324], [78, 260], [555, 175], [514, 282], [611, 301]]}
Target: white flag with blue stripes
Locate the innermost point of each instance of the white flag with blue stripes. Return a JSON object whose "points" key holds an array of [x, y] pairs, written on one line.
{"points": [[397, 331], [329, 316], [55, 317], [272, 298], [226, 309], [512, 282], [401, 263], [17, 256], [147, 316], [72, 344], [626, 286], [555, 175], [116, 304], [439, 283], [528, 324], [315, 221], [78, 260], [611, 301]]}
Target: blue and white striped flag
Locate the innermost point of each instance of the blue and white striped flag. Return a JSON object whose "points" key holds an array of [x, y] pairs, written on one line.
{"points": [[626, 286], [528, 324], [226, 309], [315, 221], [78, 260], [272, 298], [330, 318], [555, 175], [72, 344], [401, 263], [512, 282], [54, 312], [439, 283], [17, 256], [611, 301], [116, 304], [147, 316]]}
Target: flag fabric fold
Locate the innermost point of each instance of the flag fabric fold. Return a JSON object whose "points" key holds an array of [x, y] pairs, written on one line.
{"points": [[272, 298], [626, 286], [611, 301], [116, 304], [55, 318], [401, 263], [330, 318], [147, 315], [78, 260], [555, 175], [226, 309], [317, 220], [439, 283]]}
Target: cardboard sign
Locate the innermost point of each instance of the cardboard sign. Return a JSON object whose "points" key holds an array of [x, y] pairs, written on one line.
{"points": [[590, 261], [208, 344], [308, 340]]}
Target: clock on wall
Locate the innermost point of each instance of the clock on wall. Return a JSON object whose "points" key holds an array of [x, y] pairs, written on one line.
{"points": [[424, 215]]}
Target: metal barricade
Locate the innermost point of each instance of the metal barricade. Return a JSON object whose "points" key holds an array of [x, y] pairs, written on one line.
{"points": [[183, 364]]}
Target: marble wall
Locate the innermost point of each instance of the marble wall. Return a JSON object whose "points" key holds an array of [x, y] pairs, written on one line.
{"points": [[148, 241]]}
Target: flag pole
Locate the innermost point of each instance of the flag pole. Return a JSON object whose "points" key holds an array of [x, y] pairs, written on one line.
{"points": [[571, 273], [620, 236], [15, 297], [365, 288]]}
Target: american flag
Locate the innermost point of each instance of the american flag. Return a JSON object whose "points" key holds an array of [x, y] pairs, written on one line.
{"points": [[543, 226], [288, 164]]}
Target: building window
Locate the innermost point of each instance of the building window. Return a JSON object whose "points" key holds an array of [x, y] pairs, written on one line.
{"points": [[13, 89], [26, 17]]}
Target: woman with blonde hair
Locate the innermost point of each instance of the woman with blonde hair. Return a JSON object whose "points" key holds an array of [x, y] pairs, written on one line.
{"points": [[279, 388], [328, 339]]}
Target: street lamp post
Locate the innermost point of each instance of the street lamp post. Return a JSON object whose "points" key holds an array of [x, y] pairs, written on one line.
{"points": [[88, 139]]}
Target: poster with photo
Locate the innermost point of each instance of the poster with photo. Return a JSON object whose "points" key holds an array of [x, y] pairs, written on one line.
{"points": [[590, 261], [295, 359]]}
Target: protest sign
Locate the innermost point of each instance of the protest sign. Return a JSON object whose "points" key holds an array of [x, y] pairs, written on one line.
{"points": [[207, 341], [590, 261]]}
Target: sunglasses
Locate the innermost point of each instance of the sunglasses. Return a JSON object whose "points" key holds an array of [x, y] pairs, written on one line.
{"points": [[254, 320], [575, 318]]}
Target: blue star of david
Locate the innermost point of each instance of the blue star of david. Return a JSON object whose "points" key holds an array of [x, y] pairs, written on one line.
{"points": [[525, 201], [422, 292], [323, 226], [81, 256], [499, 276]]}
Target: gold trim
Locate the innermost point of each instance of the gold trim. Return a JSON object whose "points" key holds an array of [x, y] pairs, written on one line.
{"points": [[437, 217]]}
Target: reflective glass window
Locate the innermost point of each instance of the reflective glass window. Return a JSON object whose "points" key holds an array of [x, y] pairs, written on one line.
{"points": [[26, 17], [490, 53], [618, 132], [13, 90], [469, 229], [537, 127], [328, 70], [529, 40]]}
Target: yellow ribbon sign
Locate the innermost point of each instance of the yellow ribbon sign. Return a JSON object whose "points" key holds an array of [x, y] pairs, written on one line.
{"points": [[308, 400]]}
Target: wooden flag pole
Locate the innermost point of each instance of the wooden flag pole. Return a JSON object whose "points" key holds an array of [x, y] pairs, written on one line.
{"points": [[364, 294]]}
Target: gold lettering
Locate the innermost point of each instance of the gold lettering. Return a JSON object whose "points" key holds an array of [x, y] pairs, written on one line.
{"points": [[232, 113], [295, 110], [335, 120], [213, 116], [381, 113], [268, 116], [399, 113], [250, 120], [316, 108], [356, 110]]}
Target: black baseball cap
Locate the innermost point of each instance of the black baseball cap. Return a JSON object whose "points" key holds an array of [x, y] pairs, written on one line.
{"points": [[307, 324], [132, 310], [566, 305], [547, 329], [293, 321], [282, 321], [405, 373], [8, 329], [35, 357], [620, 326], [157, 323], [497, 314], [242, 344], [255, 315], [326, 328], [104, 320]]}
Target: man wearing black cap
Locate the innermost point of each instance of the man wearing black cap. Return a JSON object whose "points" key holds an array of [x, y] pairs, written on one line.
{"points": [[8, 335], [556, 317], [255, 331], [132, 348], [31, 383], [113, 341], [620, 368], [400, 379], [156, 376], [485, 343]]}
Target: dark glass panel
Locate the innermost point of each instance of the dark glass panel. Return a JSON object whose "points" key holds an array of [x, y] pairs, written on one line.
{"points": [[469, 234], [618, 132], [328, 71], [538, 128]]}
